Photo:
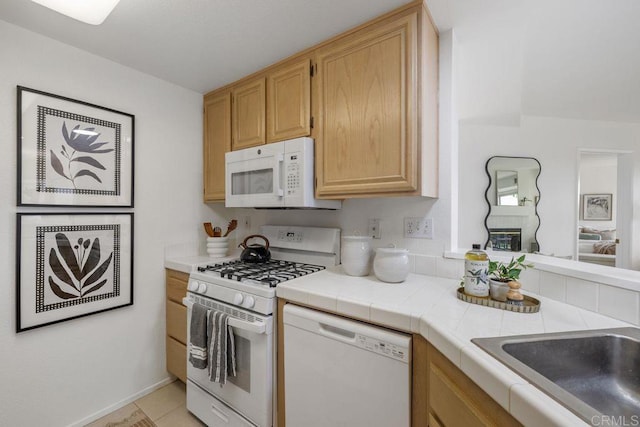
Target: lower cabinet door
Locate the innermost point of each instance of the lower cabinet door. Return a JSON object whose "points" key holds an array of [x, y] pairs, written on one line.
{"points": [[177, 321], [177, 359]]}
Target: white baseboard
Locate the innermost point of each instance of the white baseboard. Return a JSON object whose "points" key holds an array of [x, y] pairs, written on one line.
{"points": [[111, 408]]}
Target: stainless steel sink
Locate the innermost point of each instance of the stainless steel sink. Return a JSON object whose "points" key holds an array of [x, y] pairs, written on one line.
{"points": [[592, 373]]}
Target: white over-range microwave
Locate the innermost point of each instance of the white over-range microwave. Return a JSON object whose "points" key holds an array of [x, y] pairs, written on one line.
{"points": [[277, 175]]}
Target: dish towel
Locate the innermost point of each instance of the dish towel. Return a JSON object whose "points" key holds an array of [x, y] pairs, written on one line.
{"points": [[222, 348], [198, 336]]}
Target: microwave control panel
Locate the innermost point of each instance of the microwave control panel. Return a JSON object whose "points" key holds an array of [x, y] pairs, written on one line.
{"points": [[293, 174]]}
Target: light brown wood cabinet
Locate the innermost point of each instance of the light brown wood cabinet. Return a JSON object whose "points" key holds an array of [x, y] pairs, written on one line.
{"points": [[273, 108], [176, 324], [248, 119], [289, 101], [369, 105], [444, 396], [217, 142]]}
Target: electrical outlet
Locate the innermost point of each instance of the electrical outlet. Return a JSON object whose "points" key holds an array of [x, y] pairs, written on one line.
{"points": [[418, 228], [374, 228]]}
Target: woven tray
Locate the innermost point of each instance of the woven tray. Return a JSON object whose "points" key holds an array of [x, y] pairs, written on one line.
{"points": [[531, 305]]}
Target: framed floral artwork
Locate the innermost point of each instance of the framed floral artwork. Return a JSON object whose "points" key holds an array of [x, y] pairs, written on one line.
{"points": [[72, 153], [72, 265]]}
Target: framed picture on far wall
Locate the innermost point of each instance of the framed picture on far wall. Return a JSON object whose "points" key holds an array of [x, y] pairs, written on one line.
{"points": [[597, 207], [72, 153], [72, 265]]}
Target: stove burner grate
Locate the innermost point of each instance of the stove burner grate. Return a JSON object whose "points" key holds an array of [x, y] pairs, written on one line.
{"points": [[268, 274]]}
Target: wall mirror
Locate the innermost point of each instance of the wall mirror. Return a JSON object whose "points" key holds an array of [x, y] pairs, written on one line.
{"points": [[512, 196]]}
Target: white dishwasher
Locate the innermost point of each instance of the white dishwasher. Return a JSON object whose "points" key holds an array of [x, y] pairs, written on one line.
{"points": [[340, 372]]}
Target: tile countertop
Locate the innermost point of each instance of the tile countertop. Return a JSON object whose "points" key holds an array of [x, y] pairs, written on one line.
{"points": [[428, 306]]}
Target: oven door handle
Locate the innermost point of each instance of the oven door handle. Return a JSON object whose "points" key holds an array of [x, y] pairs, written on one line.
{"points": [[254, 327]]}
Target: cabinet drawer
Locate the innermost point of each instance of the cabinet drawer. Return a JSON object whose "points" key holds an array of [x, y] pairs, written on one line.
{"points": [[177, 359], [177, 321], [176, 285]]}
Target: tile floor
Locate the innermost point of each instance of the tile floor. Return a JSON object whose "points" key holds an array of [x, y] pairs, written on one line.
{"points": [[167, 407]]}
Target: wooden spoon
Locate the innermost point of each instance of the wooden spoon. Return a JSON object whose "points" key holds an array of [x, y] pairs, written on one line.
{"points": [[233, 224], [217, 232], [208, 228]]}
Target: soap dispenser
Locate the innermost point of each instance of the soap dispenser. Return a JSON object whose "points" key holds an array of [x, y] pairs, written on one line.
{"points": [[476, 272]]}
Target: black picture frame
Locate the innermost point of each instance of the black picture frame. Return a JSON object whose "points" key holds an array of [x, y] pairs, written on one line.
{"points": [[72, 265], [72, 153]]}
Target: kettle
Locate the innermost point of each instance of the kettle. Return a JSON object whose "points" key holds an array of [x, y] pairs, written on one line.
{"points": [[255, 253]]}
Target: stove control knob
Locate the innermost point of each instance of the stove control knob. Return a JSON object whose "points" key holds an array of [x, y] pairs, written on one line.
{"points": [[202, 288], [193, 286], [237, 298], [249, 302]]}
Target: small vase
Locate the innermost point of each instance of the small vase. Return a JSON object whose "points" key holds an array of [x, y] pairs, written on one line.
{"points": [[498, 290]]}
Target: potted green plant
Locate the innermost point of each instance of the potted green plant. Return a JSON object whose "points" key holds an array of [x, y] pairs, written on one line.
{"points": [[500, 274]]}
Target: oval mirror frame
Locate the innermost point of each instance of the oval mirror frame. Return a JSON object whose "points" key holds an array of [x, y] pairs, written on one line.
{"points": [[508, 236]]}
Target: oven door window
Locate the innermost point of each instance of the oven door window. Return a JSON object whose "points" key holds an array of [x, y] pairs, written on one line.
{"points": [[252, 182]]}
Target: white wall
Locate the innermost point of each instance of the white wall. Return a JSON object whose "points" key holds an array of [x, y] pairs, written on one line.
{"points": [[555, 143], [65, 373]]}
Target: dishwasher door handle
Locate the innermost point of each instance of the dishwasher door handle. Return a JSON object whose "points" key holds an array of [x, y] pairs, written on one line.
{"points": [[337, 333]]}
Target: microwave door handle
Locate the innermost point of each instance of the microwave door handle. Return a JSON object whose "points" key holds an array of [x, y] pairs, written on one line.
{"points": [[279, 190]]}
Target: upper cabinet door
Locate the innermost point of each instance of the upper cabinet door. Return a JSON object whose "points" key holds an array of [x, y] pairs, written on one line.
{"points": [[249, 114], [217, 141], [289, 102], [366, 102]]}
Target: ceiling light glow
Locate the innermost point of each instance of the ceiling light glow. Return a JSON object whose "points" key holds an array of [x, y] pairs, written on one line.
{"points": [[92, 12]]}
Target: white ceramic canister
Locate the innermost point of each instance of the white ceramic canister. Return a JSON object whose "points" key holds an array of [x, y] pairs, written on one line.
{"points": [[355, 254], [391, 264], [217, 247]]}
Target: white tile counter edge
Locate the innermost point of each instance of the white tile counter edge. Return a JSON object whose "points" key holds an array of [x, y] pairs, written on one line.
{"points": [[428, 305], [185, 264]]}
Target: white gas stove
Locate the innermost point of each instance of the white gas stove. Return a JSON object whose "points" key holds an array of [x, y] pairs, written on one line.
{"points": [[247, 293], [295, 252]]}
